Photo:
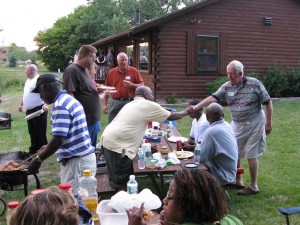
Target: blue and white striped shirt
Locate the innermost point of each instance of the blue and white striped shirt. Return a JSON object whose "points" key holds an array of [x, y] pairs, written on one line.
{"points": [[68, 120]]}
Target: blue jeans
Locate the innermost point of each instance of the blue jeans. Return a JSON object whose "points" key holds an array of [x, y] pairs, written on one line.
{"points": [[94, 129]]}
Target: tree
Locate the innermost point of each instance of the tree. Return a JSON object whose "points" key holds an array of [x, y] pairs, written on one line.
{"points": [[19, 53], [12, 61], [102, 18]]}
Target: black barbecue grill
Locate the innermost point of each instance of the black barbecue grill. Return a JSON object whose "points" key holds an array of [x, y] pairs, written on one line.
{"points": [[9, 180]]}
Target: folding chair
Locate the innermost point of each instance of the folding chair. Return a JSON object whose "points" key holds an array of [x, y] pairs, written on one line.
{"points": [[288, 211]]}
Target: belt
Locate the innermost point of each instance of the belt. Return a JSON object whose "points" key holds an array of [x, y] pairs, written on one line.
{"points": [[64, 161], [124, 99]]}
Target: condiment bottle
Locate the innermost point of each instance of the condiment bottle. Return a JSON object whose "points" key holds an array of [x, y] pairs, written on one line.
{"points": [[88, 192], [12, 207], [66, 187]]}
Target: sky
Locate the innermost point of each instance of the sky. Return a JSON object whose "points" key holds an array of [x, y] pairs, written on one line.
{"points": [[20, 20]]}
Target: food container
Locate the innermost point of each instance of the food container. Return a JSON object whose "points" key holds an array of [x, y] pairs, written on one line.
{"points": [[108, 216], [164, 152], [151, 163]]}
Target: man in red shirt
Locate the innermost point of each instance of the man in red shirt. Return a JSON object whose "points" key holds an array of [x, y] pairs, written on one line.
{"points": [[125, 79]]}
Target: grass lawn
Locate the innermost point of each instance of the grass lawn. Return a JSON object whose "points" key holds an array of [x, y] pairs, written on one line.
{"points": [[278, 180]]}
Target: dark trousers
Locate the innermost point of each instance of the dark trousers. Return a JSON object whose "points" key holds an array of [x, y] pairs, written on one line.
{"points": [[114, 108], [37, 128], [119, 168]]}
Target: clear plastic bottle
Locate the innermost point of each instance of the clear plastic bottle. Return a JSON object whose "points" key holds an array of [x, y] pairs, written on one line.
{"points": [[88, 192], [197, 153], [141, 159], [146, 148], [12, 207], [170, 129], [132, 185]]}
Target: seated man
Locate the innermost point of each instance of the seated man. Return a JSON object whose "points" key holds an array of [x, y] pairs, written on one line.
{"points": [[122, 137], [199, 126], [219, 151]]}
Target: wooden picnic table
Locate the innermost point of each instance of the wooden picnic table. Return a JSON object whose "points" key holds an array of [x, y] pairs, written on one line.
{"points": [[153, 173]]}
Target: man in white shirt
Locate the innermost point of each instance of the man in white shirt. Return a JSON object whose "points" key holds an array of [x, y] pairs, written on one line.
{"points": [[32, 102], [199, 126]]}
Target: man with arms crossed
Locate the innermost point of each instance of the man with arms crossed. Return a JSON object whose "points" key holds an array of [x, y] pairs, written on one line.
{"points": [[244, 97]]}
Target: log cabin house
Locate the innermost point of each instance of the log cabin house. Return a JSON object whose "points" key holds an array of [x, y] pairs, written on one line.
{"points": [[192, 46]]}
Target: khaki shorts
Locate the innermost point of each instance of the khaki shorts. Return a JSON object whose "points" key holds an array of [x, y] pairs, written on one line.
{"points": [[250, 136]]}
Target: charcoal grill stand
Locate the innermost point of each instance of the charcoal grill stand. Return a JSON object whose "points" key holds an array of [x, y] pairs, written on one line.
{"points": [[25, 181]]}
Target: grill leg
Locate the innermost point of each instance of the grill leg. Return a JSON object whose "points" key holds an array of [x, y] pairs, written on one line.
{"points": [[25, 183], [37, 180]]}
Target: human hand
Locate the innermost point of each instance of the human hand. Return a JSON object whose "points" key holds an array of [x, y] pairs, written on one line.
{"points": [[190, 110], [45, 108], [20, 108], [34, 165], [135, 216], [105, 109], [127, 83], [268, 128]]}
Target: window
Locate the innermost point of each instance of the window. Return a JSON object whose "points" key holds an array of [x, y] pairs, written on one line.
{"points": [[207, 49], [144, 56]]}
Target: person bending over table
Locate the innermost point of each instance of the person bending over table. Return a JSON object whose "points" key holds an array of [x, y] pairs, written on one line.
{"points": [[219, 151], [199, 126], [195, 197], [122, 137]]}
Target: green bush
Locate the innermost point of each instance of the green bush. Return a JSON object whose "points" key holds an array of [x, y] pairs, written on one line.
{"points": [[214, 85], [281, 81], [171, 99], [13, 83]]}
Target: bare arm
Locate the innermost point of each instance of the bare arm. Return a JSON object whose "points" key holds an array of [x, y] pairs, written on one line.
{"points": [[205, 102], [269, 112], [178, 115], [51, 147], [129, 84]]}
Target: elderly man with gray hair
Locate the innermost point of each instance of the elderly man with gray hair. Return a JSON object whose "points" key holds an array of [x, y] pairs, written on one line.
{"points": [[219, 151], [32, 102], [245, 97]]}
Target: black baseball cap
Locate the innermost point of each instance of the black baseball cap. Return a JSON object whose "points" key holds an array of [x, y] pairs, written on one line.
{"points": [[45, 79]]}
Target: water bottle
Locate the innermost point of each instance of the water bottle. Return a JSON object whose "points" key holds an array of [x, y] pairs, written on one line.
{"points": [[146, 148], [132, 185], [170, 129], [197, 152], [12, 207], [141, 159], [88, 192]]}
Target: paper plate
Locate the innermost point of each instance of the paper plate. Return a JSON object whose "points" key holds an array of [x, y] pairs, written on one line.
{"points": [[184, 154], [35, 114], [191, 165], [175, 139]]}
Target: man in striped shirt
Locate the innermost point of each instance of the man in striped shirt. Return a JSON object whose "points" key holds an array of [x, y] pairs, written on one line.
{"points": [[71, 142]]}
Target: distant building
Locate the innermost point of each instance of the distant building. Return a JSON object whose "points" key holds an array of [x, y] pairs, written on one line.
{"points": [[4, 54]]}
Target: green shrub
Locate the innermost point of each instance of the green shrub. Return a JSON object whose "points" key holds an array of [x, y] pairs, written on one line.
{"points": [[13, 83], [214, 85], [171, 99]]}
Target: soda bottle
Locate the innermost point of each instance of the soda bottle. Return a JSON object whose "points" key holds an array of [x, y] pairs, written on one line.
{"points": [[141, 159], [197, 152], [12, 207], [88, 192], [132, 185]]}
